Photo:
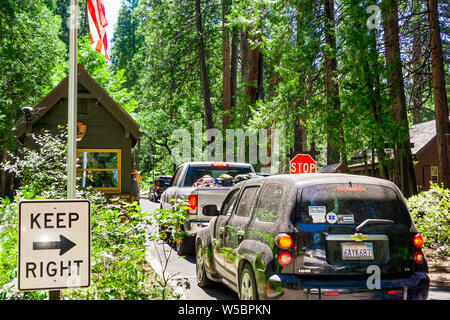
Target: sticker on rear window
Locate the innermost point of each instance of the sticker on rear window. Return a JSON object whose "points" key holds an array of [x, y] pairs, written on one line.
{"points": [[346, 219], [317, 213], [331, 217]]}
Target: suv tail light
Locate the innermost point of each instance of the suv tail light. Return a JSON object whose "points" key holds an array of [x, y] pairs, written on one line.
{"points": [[284, 241], [418, 241], [284, 258], [192, 201], [394, 292], [419, 258]]}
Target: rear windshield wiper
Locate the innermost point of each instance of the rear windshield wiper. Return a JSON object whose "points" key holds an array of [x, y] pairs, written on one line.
{"points": [[373, 221]]}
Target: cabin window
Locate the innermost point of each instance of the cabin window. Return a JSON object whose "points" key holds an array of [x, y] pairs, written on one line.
{"points": [[100, 169], [434, 174]]}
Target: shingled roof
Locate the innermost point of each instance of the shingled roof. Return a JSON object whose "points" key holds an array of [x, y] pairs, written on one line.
{"points": [[97, 92], [421, 134]]}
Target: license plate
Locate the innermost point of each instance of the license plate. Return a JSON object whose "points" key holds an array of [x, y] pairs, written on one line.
{"points": [[357, 251]]}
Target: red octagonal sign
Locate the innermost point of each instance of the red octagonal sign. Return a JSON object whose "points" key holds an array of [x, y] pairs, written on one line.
{"points": [[303, 163]]}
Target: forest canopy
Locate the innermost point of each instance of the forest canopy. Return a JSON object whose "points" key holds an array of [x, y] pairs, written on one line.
{"points": [[336, 76]]}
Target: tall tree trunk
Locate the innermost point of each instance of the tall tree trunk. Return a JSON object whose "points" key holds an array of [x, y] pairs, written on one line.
{"points": [[372, 82], [253, 73], [404, 175], [260, 94], [3, 160], [299, 128], [244, 70], [299, 136], [233, 69], [203, 68], [440, 95], [226, 65], [418, 79], [334, 137]]}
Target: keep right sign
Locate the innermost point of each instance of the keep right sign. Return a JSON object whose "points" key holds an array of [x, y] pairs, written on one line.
{"points": [[303, 163], [54, 244]]}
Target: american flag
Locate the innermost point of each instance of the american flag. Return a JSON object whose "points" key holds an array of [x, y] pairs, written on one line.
{"points": [[97, 25]]}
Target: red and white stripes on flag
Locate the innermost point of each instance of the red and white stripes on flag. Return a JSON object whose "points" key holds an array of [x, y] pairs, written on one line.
{"points": [[97, 25]]}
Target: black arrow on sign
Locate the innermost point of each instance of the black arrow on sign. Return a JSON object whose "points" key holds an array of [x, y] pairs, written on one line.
{"points": [[63, 245]]}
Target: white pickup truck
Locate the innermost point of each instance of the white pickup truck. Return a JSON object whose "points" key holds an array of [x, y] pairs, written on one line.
{"points": [[181, 187]]}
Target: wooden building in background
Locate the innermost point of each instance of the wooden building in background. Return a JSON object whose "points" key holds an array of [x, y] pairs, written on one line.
{"points": [[107, 134], [424, 152]]}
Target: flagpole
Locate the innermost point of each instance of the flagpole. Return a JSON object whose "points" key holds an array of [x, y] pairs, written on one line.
{"points": [[72, 109], [72, 114]]}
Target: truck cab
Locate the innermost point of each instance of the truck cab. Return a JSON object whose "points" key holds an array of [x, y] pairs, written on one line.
{"points": [[182, 187]]}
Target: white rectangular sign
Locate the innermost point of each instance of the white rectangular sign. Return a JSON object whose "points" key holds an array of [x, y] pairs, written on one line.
{"points": [[54, 244]]}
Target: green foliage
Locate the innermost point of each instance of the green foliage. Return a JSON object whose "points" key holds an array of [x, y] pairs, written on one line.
{"points": [[118, 266], [167, 70], [29, 52], [171, 220], [126, 42], [430, 211], [33, 170], [98, 67]]}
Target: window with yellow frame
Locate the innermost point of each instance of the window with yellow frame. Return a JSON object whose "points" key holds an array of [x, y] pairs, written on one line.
{"points": [[100, 169], [434, 174]]}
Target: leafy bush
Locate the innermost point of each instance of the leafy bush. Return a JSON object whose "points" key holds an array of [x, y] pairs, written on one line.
{"points": [[43, 168], [430, 211], [118, 264]]}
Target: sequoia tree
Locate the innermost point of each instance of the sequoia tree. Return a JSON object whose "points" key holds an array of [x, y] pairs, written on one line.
{"points": [[335, 131], [203, 68], [440, 95], [404, 175], [226, 65]]}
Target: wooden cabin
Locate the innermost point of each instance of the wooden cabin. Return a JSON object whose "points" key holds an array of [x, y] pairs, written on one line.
{"points": [[107, 134], [423, 149], [423, 135]]}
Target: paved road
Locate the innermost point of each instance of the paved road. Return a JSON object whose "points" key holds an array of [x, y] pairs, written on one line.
{"points": [[185, 268], [182, 268]]}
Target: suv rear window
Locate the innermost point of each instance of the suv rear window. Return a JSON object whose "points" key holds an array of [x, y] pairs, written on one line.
{"points": [[195, 173], [350, 204]]}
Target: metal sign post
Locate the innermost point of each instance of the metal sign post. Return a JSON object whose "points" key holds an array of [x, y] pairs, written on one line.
{"points": [[72, 110]]}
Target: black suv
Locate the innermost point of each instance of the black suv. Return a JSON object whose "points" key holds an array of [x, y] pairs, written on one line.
{"points": [[313, 236], [160, 184]]}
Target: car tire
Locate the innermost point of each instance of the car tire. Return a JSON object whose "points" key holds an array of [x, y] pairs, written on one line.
{"points": [[185, 247], [202, 279], [247, 284]]}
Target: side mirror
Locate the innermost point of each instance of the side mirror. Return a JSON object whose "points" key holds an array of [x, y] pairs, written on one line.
{"points": [[210, 210]]}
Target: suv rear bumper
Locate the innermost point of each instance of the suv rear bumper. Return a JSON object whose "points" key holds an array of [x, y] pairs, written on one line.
{"points": [[291, 287]]}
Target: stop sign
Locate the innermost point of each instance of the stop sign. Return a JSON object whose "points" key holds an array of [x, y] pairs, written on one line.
{"points": [[303, 163]]}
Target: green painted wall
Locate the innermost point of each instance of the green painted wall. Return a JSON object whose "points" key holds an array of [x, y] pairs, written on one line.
{"points": [[103, 131]]}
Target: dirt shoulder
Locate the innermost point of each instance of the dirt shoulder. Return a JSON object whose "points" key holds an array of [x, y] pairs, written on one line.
{"points": [[438, 267]]}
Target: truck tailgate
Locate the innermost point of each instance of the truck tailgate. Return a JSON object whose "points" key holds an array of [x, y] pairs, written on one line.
{"points": [[209, 195]]}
